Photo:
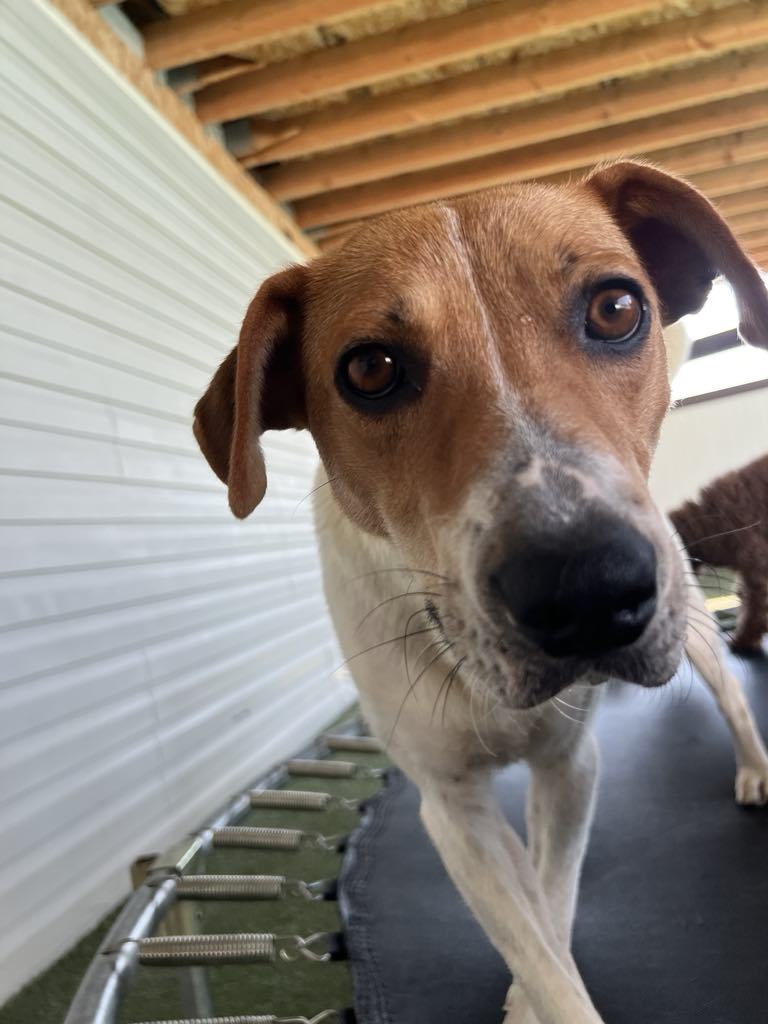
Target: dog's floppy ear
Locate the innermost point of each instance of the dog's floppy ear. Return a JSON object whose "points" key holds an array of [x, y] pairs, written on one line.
{"points": [[258, 387], [682, 241]]}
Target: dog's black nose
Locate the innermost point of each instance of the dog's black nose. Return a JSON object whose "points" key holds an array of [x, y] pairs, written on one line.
{"points": [[584, 597]]}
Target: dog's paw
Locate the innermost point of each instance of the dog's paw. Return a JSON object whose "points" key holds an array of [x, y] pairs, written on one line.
{"points": [[752, 786]]}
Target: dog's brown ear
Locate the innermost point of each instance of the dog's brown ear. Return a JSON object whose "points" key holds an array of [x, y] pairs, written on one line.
{"points": [[258, 387], [683, 243]]}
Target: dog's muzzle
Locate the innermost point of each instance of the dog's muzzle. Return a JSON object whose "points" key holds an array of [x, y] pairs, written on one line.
{"points": [[584, 593]]}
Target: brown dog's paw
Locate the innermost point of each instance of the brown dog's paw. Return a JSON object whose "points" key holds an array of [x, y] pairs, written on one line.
{"points": [[752, 786]]}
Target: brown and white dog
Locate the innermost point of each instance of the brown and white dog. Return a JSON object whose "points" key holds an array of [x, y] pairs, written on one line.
{"points": [[485, 380]]}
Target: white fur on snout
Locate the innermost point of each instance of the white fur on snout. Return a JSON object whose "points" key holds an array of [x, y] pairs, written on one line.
{"points": [[548, 493], [531, 475]]}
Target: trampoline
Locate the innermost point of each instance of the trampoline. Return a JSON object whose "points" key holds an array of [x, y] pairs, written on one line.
{"points": [[672, 924]]}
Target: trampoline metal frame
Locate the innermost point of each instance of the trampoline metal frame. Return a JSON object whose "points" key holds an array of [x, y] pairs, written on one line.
{"points": [[98, 997]]}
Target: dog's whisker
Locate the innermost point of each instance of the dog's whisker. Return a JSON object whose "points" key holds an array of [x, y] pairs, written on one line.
{"points": [[573, 707], [406, 634], [554, 703], [437, 698], [314, 490], [411, 689], [446, 646], [443, 684], [384, 643], [428, 647], [405, 568], [411, 685], [451, 680], [725, 533], [396, 597]]}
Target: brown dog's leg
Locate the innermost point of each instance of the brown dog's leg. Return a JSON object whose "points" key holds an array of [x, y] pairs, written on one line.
{"points": [[753, 620]]}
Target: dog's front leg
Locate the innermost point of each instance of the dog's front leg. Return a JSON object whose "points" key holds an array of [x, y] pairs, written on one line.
{"points": [[561, 802], [491, 869], [705, 648]]}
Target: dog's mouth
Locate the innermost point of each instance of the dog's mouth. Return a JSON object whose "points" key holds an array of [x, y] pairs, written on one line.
{"points": [[497, 657]]}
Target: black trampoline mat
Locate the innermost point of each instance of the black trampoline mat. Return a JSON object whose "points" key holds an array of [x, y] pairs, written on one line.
{"points": [[672, 925]]}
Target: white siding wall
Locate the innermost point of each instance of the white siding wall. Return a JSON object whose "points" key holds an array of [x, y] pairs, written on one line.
{"points": [[154, 653]]}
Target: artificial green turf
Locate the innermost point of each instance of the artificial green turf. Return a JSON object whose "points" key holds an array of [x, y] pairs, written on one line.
{"points": [[46, 999]]}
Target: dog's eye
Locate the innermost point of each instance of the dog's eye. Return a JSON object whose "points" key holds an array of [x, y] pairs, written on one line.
{"points": [[614, 313], [370, 371]]}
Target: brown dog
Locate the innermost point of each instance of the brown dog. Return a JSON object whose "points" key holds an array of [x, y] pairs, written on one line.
{"points": [[727, 526], [485, 380]]}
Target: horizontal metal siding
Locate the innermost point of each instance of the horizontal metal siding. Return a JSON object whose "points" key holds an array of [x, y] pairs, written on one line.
{"points": [[155, 654]]}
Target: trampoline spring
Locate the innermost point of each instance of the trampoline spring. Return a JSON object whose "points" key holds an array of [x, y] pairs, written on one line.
{"points": [[258, 838], [361, 744], [332, 769], [252, 887], [299, 800], [246, 948], [237, 948], [232, 887]]}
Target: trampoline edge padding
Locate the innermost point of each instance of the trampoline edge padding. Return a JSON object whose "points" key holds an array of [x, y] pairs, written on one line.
{"points": [[356, 912]]}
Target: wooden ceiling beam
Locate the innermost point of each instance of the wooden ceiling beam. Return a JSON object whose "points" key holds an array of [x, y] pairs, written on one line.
{"points": [[631, 53], [217, 69], [419, 47], [332, 240], [749, 225], [637, 137], [728, 186], [238, 25], [557, 119], [743, 202], [725, 181]]}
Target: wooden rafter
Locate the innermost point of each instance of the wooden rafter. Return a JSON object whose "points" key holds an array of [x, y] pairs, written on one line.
{"points": [[217, 69], [239, 24], [755, 240], [475, 92], [639, 137], [743, 202], [730, 185], [618, 103], [473, 32], [748, 225], [689, 91], [725, 181]]}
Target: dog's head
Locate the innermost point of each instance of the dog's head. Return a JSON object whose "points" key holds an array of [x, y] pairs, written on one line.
{"points": [[485, 380]]}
